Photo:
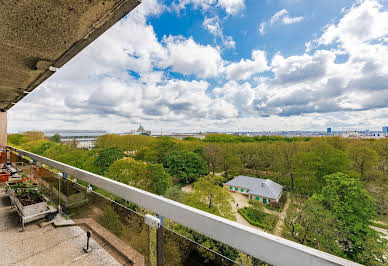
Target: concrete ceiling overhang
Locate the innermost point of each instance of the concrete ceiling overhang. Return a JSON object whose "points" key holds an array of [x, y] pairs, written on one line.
{"points": [[38, 36]]}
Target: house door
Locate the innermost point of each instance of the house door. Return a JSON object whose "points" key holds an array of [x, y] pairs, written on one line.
{"points": [[264, 200]]}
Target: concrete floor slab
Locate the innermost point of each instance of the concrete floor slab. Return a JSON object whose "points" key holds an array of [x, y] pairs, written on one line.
{"points": [[66, 252], [45, 245]]}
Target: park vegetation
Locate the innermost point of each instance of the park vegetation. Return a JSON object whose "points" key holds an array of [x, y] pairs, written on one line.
{"points": [[259, 218], [338, 187]]}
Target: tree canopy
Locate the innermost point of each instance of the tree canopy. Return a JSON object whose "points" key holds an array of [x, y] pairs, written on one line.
{"points": [[320, 161], [106, 157], [208, 195], [147, 176], [186, 165], [363, 159], [56, 138], [338, 220]]}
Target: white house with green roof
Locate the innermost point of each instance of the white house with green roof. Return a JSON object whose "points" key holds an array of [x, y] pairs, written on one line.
{"points": [[263, 190]]}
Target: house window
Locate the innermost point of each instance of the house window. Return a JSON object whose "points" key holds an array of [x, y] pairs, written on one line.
{"points": [[230, 187], [269, 201], [257, 198], [242, 190], [236, 188], [247, 190], [264, 200], [251, 196]]}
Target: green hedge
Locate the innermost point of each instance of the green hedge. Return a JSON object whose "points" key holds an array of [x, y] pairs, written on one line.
{"points": [[259, 218]]}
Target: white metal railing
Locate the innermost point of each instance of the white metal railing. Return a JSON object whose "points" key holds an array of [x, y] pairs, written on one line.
{"points": [[261, 245]]}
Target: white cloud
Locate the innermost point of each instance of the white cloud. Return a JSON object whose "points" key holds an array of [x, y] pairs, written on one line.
{"points": [[307, 91], [262, 27], [240, 95], [213, 26], [221, 109], [362, 23], [231, 7], [187, 57], [278, 15], [281, 17], [246, 67], [290, 20]]}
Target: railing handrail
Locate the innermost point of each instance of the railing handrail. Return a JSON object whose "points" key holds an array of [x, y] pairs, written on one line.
{"points": [[264, 246]]}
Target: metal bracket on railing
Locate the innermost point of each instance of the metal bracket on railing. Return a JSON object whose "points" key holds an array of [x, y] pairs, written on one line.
{"points": [[152, 221], [89, 189], [65, 176], [161, 218], [53, 69]]}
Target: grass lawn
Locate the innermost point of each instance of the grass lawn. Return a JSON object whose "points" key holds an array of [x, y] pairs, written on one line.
{"points": [[259, 218]]}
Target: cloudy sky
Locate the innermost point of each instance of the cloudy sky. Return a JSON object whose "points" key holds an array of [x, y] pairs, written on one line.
{"points": [[224, 65]]}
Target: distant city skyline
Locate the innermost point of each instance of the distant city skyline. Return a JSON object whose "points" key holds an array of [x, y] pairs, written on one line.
{"points": [[327, 131], [225, 65]]}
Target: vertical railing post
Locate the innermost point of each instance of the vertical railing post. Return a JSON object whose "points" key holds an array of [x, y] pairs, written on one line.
{"points": [[153, 247], [160, 242], [3, 129]]}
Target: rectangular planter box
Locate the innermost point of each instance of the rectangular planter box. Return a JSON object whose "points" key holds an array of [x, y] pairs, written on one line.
{"points": [[33, 209]]}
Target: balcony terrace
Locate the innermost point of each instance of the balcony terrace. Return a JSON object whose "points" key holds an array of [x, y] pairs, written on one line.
{"points": [[47, 245], [121, 231], [127, 225]]}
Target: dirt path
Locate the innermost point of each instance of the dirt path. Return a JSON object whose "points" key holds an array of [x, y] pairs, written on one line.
{"points": [[188, 188], [242, 202], [282, 216], [384, 232]]}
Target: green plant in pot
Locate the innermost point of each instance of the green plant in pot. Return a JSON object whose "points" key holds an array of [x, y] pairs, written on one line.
{"points": [[27, 192]]}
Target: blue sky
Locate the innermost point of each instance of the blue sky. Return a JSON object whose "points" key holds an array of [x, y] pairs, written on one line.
{"points": [[224, 65], [243, 27]]}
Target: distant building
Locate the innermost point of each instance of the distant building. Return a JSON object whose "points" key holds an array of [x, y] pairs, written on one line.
{"points": [[182, 135], [85, 138], [385, 130], [263, 190], [329, 130], [377, 135], [139, 131]]}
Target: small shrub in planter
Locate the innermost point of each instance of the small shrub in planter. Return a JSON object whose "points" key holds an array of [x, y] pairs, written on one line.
{"points": [[28, 197], [27, 192]]}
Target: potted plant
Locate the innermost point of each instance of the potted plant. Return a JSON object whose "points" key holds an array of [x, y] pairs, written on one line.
{"points": [[28, 198]]}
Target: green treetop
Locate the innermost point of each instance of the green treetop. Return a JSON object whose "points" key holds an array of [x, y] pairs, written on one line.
{"points": [[106, 157], [208, 195], [338, 220], [56, 138], [186, 165]]}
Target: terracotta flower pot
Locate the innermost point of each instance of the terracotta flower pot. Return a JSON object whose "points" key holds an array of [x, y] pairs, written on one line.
{"points": [[4, 176]]}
